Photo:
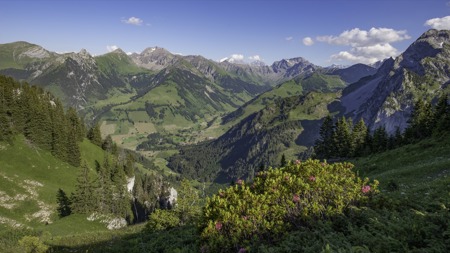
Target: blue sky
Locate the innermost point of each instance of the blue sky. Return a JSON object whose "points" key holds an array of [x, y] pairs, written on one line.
{"points": [[324, 32]]}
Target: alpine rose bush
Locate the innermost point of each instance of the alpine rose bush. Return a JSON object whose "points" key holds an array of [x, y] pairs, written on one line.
{"points": [[279, 199]]}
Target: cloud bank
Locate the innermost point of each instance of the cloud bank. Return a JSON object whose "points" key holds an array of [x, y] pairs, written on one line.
{"points": [[366, 46], [439, 23]]}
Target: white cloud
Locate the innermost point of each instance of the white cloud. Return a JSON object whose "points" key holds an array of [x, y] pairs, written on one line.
{"points": [[233, 58], [359, 38], [308, 41], [111, 48], [368, 54], [240, 58], [133, 21], [255, 58], [366, 46], [289, 38], [439, 23]]}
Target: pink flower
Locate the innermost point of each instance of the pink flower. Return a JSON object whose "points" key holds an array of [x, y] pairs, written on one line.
{"points": [[298, 161], [286, 178], [323, 164], [221, 194], [218, 226], [365, 189], [242, 250], [245, 217], [312, 178], [240, 182], [296, 198]]}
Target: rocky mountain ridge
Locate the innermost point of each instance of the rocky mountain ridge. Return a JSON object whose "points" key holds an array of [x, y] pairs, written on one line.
{"points": [[386, 98]]}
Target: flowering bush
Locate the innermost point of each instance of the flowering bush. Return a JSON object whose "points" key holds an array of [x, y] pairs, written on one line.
{"points": [[279, 199]]}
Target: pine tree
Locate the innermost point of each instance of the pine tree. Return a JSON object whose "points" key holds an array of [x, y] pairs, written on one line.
{"points": [[129, 165], [6, 102], [95, 135], [107, 144], [441, 115], [63, 204], [342, 139], [121, 200], [283, 161], [323, 146], [358, 138], [379, 140], [6, 132], [76, 124], [398, 138], [421, 121], [59, 131], [83, 200], [73, 150], [187, 206]]}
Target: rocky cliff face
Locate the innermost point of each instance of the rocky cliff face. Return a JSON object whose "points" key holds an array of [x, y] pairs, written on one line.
{"points": [[386, 98]]}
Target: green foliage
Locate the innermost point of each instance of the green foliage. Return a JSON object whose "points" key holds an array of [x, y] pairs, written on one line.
{"points": [[162, 220], [63, 203], [83, 200], [283, 161], [95, 135], [187, 206], [37, 114], [32, 244], [279, 200]]}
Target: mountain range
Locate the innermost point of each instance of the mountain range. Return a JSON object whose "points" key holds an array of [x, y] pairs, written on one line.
{"points": [[164, 102]]}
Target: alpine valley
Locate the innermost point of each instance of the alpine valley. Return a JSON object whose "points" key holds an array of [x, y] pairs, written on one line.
{"points": [[171, 117]]}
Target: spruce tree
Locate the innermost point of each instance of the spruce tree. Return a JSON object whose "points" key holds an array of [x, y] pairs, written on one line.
{"points": [[107, 144], [63, 204], [358, 138], [76, 124], [323, 146], [6, 102], [6, 132], [59, 132], [442, 115], [187, 206], [83, 200], [342, 138], [283, 161], [95, 135], [379, 140], [73, 150]]}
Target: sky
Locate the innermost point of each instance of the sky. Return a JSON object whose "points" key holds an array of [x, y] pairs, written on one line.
{"points": [[324, 32]]}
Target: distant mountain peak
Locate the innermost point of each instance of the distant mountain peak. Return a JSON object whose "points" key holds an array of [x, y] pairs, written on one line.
{"points": [[155, 50]]}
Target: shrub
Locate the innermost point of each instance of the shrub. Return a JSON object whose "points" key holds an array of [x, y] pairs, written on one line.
{"points": [[32, 244], [278, 200], [162, 219]]}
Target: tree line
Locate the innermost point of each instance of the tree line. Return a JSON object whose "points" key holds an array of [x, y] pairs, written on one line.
{"points": [[40, 117], [343, 139]]}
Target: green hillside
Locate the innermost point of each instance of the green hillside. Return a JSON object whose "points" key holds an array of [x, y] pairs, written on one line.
{"points": [[301, 85], [410, 214], [30, 179], [257, 140]]}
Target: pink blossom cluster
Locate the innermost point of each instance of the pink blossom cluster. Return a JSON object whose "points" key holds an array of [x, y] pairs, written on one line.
{"points": [[365, 189], [218, 226]]}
